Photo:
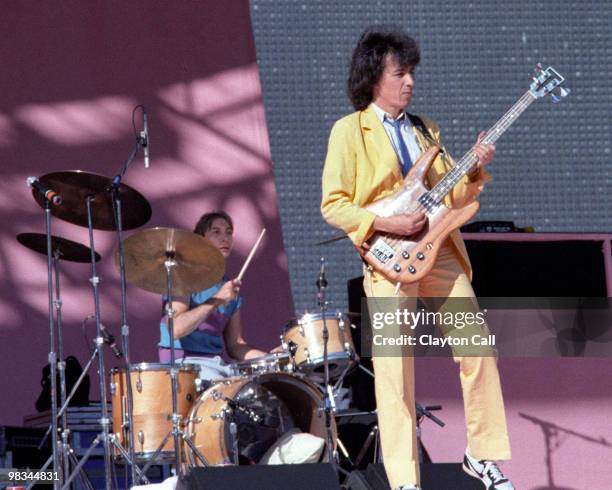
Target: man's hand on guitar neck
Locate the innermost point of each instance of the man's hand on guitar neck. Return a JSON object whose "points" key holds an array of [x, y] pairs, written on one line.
{"points": [[485, 154], [403, 224]]}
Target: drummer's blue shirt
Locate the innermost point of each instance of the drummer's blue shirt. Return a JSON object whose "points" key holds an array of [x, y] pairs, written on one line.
{"points": [[207, 339]]}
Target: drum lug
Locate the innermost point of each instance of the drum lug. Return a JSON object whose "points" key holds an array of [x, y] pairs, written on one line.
{"points": [[141, 437], [139, 383], [307, 354], [223, 413], [113, 388]]}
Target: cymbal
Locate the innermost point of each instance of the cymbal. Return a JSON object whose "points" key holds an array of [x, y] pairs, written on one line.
{"points": [[65, 249], [75, 185], [199, 264]]}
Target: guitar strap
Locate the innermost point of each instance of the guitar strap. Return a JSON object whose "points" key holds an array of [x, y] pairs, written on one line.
{"points": [[418, 123]]}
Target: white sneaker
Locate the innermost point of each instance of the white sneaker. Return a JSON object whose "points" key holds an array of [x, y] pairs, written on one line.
{"points": [[487, 472]]}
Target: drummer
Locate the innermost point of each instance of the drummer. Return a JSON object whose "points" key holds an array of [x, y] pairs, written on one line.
{"points": [[207, 326]]}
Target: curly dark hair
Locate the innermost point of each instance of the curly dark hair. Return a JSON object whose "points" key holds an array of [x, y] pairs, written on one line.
{"points": [[368, 60], [206, 221]]}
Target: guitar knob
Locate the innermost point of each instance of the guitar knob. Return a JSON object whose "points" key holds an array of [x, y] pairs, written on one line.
{"points": [[411, 269], [420, 256], [405, 254], [397, 268]]}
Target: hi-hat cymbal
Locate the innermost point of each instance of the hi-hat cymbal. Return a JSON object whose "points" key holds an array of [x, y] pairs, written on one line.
{"points": [[74, 186], [199, 264], [64, 248]]}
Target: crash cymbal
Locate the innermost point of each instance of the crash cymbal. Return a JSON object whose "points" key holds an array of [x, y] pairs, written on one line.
{"points": [[75, 185], [65, 249], [199, 264]]}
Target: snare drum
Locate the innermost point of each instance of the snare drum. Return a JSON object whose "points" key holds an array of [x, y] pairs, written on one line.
{"points": [[303, 338], [262, 408], [152, 406], [278, 362]]}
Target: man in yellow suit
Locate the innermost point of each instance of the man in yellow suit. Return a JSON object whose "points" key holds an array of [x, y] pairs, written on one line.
{"points": [[370, 151]]}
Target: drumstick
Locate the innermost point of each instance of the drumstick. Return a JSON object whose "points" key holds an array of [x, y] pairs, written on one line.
{"points": [[251, 253]]}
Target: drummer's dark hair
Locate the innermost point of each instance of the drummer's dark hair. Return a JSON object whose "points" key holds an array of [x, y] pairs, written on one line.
{"points": [[206, 221]]}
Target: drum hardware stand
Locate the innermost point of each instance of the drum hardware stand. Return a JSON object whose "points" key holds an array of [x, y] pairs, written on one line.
{"points": [[233, 428], [421, 413], [104, 420], [67, 452], [372, 437], [52, 355], [328, 397], [176, 431], [105, 436]]}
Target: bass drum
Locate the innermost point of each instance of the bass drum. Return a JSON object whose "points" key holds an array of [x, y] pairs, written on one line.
{"points": [[152, 406], [263, 408]]}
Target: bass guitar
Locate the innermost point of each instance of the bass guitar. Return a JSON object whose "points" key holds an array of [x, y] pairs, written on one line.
{"points": [[404, 259]]}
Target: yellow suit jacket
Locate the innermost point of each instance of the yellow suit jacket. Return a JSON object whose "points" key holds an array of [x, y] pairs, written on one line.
{"points": [[362, 167]]}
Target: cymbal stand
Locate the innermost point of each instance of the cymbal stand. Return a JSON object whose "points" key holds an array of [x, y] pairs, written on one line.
{"points": [[52, 355], [79, 464], [104, 435], [169, 263], [125, 329], [328, 395], [61, 365], [67, 452]]}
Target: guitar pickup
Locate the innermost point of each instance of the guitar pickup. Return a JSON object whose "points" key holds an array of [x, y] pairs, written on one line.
{"points": [[383, 252]]}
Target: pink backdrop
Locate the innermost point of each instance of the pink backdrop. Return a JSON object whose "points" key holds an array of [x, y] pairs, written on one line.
{"points": [[73, 71]]}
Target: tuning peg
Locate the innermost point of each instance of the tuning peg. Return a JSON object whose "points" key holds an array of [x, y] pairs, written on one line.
{"points": [[561, 95], [536, 71]]}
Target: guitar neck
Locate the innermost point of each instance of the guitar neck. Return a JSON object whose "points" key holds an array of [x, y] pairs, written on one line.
{"points": [[465, 164]]}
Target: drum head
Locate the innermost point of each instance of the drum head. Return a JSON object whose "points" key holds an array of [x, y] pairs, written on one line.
{"points": [[263, 408], [280, 403]]}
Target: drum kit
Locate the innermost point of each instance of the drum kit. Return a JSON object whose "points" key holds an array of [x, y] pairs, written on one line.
{"points": [[163, 413]]}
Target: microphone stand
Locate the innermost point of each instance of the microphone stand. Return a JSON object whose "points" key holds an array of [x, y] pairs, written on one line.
{"points": [[322, 286], [125, 329]]}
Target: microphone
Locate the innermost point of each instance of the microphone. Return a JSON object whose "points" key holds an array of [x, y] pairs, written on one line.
{"points": [[321, 281], [109, 340], [144, 138], [49, 194]]}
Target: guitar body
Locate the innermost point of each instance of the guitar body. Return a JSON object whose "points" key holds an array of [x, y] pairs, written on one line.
{"points": [[406, 260]]}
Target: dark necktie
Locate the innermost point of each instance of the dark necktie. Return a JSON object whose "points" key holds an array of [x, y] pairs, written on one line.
{"points": [[405, 160]]}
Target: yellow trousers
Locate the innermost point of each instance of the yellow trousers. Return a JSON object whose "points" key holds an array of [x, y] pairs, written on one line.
{"points": [[394, 384]]}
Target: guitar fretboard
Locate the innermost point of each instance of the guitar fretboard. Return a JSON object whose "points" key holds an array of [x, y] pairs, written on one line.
{"points": [[465, 164]]}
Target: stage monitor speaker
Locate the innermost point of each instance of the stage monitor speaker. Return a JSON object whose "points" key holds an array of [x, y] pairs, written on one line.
{"points": [[438, 476], [272, 477], [571, 268]]}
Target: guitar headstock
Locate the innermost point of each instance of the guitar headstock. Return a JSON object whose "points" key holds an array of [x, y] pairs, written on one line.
{"points": [[546, 82]]}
